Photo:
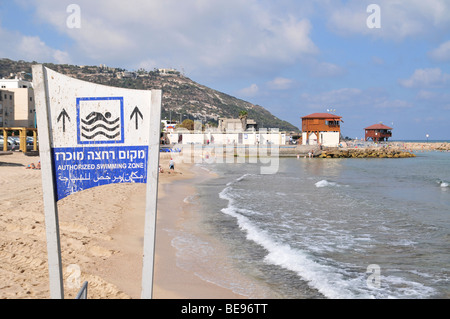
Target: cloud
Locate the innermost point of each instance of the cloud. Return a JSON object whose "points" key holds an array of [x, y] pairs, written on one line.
{"points": [[441, 53], [393, 104], [29, 48], [352, 98], [280, 83], [426, 78], [377, 60], [326, 69], [333, 99], [250, 91], [426, 95], [435, 100], [33, 48], [399, 19], [221, 35]]}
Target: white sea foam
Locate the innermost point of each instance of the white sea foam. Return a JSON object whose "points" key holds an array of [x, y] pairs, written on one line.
{"points": [[325, 183], [330, 278], [398, 287], [326, 279], [238, 179], [203, 168], [442, 183], [189, 199], [404, 242], [242, 177]]}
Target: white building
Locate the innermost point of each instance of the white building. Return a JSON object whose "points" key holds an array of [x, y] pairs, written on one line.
{"points": [[258, 138], [15, 84], [235, 125], [24, 106], [6, 108], [168, 71], [169, 126]]}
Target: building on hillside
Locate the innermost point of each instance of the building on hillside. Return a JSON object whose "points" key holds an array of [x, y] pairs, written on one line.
{"points": [[236, 125], [15, 84], [6, 108], [378, 133], [168, 71], [321, 128], [126, 75], [168, 125], [24, 105]]}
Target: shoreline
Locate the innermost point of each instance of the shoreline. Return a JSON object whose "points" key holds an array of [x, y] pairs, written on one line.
{"points": [[172, 281], [101, 232], [199, 251]]}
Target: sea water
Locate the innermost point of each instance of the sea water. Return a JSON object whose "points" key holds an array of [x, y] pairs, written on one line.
{"points": [[327, 228]]}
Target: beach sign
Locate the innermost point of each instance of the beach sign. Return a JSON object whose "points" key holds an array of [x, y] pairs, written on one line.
{"points": [[92, 135]]}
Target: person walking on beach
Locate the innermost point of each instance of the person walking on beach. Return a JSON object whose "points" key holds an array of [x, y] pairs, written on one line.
{"points": [[171, 164]]}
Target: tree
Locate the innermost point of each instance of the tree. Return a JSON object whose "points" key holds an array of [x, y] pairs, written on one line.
{"points": [[243, 117], [188, 124]]}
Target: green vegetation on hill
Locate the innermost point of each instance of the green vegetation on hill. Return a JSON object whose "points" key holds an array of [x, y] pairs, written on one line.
{"points": [[182, 97]]}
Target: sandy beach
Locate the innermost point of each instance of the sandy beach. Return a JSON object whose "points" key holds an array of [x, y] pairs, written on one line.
{"points": [[101, 234]]}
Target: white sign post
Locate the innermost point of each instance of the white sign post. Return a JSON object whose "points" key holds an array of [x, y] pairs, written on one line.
{"points": [[92, 135]]}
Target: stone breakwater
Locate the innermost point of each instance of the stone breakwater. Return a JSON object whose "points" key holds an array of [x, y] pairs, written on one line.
{"points": [[434, 146], [365, 153]]}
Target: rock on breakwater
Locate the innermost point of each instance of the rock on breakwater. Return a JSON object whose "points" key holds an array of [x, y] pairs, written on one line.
{"points": [[365, 153]]}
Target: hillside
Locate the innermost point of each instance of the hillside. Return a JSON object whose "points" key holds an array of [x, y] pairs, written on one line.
{"points": [[181, 95]]}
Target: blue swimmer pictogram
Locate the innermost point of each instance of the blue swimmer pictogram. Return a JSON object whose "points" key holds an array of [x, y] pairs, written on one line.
{"points": [[98, 124]]}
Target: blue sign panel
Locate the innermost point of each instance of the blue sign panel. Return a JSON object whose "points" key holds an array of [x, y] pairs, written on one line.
{"points": [[80, 168]]}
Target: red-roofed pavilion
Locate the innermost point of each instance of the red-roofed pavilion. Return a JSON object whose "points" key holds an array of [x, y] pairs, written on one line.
{"points": [[321, 128], [378, 132]]}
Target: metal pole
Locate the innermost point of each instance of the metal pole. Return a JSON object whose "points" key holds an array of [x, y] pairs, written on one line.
{"points": [[82, 294], [151, 197]]}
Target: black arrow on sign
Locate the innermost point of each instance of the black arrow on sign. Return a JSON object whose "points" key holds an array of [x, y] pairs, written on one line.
{"points": [[136, 113], [63, 115]]}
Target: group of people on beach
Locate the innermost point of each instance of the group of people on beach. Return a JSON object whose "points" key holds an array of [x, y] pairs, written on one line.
{"points": [[33, 166]]}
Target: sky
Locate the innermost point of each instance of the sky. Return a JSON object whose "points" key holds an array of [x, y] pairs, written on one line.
{"points": [[370, 61]]}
